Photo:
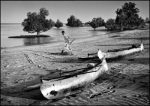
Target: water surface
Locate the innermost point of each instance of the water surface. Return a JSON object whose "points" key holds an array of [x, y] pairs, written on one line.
{"points": [[54, 33]]}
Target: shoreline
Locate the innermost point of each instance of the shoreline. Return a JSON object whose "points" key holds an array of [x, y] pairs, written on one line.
{"points": [[29, 36], [76, 41], [23, 66]]}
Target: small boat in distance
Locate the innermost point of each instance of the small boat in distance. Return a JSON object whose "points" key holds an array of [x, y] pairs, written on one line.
{"points": [[54, 89]]}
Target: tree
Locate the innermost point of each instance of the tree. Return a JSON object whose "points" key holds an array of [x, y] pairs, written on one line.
{"points": [[147, 20], [72, 21], [37, 22], [141, 23], [120, 18], [58, 24], [87, 23], [97, 22], [51, 23], [110, 24], [127, 17]]}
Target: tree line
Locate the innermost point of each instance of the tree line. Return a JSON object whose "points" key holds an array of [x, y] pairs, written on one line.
{"points": [[127, 17]]}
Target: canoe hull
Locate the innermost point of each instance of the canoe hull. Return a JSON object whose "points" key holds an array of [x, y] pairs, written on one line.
{"points": [[60, 88], [110, 55], [116, 54]]}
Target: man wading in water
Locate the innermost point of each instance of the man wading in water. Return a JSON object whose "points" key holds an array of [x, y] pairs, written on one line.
{"points": [[68, 42]]}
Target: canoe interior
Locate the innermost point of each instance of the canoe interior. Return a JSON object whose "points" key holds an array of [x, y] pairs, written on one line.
{"points": [[111, 51], [67, 85], [70, 74], [122, 49]]}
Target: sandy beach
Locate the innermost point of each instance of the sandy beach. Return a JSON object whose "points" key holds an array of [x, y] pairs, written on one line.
{"points": [[127, 82]]}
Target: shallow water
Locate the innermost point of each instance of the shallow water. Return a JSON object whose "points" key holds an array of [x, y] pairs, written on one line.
{"points": [[54, 33]]}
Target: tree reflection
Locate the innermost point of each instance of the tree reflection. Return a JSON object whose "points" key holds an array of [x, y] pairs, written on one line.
{"points": [[37, 40]]}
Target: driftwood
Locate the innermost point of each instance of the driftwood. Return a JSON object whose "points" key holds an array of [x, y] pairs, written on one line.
{"points": [[100, 93], [32, 87]]}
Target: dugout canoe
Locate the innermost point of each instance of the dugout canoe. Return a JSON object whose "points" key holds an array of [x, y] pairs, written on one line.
{"points": [[54, 89], [124, 52], [116, 53]]}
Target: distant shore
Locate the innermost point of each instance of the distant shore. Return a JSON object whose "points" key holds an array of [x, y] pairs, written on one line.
{"points": [[28, 36]]}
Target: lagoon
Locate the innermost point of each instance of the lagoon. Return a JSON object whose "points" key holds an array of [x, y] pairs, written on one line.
{"points": [[15, 29]]}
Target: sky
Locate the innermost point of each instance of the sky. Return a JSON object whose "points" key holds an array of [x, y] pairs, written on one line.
{"points": [[16, 11]]}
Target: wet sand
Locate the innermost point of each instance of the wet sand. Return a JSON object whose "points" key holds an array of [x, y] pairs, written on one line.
{"points": [[126, 83]]}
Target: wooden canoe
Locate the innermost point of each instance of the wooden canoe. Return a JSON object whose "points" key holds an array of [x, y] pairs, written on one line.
{"points": [[55, 89], [111, 54]]}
